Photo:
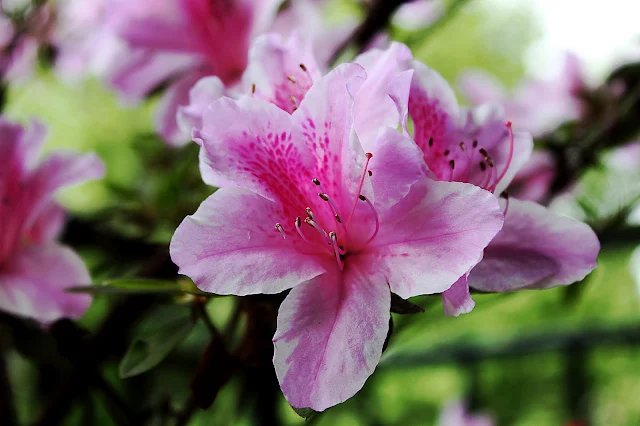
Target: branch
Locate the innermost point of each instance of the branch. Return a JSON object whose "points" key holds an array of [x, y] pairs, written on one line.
{"points": [[377, 20]]}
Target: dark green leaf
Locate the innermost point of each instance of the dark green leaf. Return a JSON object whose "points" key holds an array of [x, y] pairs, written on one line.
{"points": [[141, 286], [165, 329], [305, 413], [402, 306]]}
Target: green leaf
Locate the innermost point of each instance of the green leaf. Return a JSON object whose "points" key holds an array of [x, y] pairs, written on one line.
{"points": [[162, 331], [141, 286], [305, 413], [403, 306]]}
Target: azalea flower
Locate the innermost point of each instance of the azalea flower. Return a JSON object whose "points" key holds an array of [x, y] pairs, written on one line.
{"points": [[21, 39], [536, 248], [35, 270], [456, 414], [312, 212], [538, 106]]}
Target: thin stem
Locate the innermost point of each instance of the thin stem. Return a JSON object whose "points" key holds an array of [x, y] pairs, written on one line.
{"points": [[200, 309]]}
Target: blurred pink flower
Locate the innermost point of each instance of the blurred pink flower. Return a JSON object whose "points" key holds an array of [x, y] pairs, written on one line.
{"points": [[417, 14], [533, 181], [312, 211], [456, 414], [537, 107], [536, 248], [19, 44], [34, 268]]}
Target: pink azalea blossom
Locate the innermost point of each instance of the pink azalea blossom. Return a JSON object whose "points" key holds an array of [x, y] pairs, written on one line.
{"points": [[34, 268], [535, 106], [312, 211], [179, 42], [19, 44], [456, 414], [536, 248]]}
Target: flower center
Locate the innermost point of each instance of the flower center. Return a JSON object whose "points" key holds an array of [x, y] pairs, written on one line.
{"points": [[331, 243], [468, 163]]}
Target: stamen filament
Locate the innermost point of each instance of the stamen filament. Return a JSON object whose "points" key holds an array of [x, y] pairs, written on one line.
{"points": [[375, 215], [510, 157], [323, 234], [336, 250], [364, 172], [298, 223]]}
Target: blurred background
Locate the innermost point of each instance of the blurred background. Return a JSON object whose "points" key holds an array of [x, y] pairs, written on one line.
{"points": [[565, 356]]}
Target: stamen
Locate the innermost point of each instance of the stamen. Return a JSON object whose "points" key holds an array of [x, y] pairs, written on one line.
{"points": [[309, 213], [510, 157], [364, 172], [489, 161], [336, 250], [475, 143], [483, 152], [462, 147], [446, 152], [483, 166], [293, 100], [452, 164], [321, 231], [298, 223], [253, 88], [334, 240], [303, 68], [281, 230], [370, 173], [334, 208], [430, 142], [292, 79], [375, 215]]}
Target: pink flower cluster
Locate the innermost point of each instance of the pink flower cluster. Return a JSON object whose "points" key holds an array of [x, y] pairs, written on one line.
{"points": [[35, 270], [325, 192]]}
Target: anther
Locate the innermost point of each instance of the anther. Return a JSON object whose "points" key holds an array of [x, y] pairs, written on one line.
{"points": [[336, 249], [368, 155], [324, 196], [292, 79], [303, 67], [293, 100], [338, 219], [370, 173], [430, 142], [475, 143], [483, 166], [462, 147], [489, 161], [316, 181], [452, 164], [483, 152], [505, 195], [362, 197], [317, 227], [281, 230], [253, 88], [309, 213], [447, 152]]}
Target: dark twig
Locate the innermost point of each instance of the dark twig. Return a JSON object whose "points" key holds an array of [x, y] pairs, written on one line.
{"points": [[377, 20]]}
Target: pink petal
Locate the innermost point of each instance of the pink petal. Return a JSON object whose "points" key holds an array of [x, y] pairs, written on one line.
{"points": [[230, 246], [434, 235], [375, 108], [479, 87], [395, 166], [174, 97], [432, 106], [274, 63], [61, 169], [203, 93], [457, 300], [141, 71], [536, 249], [533, 181], [47, 225], [32, 284], [330, 336], [418, 14]]}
